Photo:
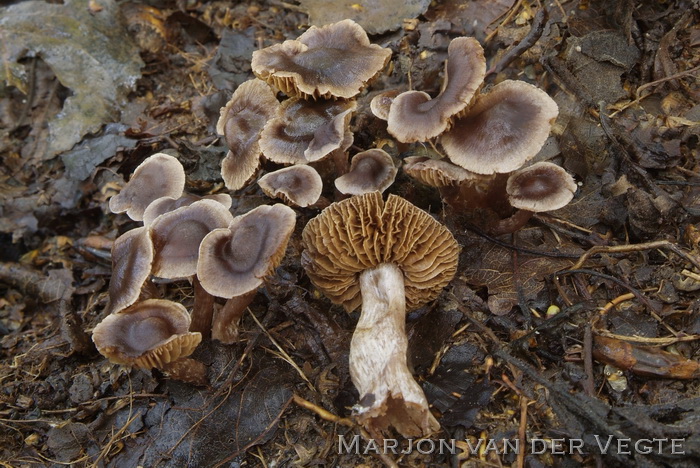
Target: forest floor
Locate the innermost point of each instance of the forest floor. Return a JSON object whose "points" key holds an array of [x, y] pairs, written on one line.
{"points": [[584, 323]]}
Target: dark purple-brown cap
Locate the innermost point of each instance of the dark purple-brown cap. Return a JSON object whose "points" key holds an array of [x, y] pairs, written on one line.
{"points": [[502, 130], [544, 186], [334, 61]]}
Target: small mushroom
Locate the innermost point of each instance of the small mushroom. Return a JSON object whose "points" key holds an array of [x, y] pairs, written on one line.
{"points": [[415, 116], [132, 257], [381, 103], [298, 185], [151, 334], [435, 172], [541, 187], [252, 105], [370, 171], [502, 130], [334, 61], [177, 234], [306, 131], [234, 261], [388, 257], [167, 204], [159, 175]]}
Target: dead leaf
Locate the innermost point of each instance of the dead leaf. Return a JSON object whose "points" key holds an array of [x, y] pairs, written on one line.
{"points": [[89, 53]]}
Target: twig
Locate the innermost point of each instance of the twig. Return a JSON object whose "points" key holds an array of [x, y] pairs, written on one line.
{"points": [[589, 383], [538, 23], [636, 248], [321, 412], [522, 430]]}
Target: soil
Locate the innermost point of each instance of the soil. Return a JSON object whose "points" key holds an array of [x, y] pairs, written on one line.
{"points": [[582, 325]]}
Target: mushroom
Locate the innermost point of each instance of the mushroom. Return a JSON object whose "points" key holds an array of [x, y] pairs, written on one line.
{"points": [[242, 119], [541, 187], [151, 334], [334, 61], [435, 172], [166, 204], [305, 131], [388, 257], [176, 237], [502, 130], [381, 103], [298, 185], [370, 171], [159, 175], [415, 116], [132, 257], [234, 261]]}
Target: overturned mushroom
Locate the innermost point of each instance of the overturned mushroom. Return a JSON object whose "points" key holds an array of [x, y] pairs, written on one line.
{"points": [[334, 61], [502, 130], [306, 131], [252, 105], [435, 172], [415, 116], [151, 334], [370, 171], [381, 103], [388, 257], [541, 187], [132, 256], [298, 185], [159, 175], [234, 261]]}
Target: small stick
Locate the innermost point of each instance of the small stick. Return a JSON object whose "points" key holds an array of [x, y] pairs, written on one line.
{"points": [[536, 30], [321, 412], [636, 248]]}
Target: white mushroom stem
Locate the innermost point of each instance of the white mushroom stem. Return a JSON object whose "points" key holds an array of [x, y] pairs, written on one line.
{"points": [[389, 396]]}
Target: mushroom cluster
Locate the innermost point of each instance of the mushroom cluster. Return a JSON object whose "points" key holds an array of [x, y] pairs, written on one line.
{"points": [[321, 72], [488, 139], [178, 241]]}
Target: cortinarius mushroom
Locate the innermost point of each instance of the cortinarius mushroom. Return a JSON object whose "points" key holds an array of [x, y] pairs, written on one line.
{"points": [[167, 204], [502, 130], [151, 334], [132, 257], [334, 61], [435, 172], [387, 257], [234, 261], [541, 187], [159, 175], [415, 116], [370, 171], [252, 105], [298, 185]]}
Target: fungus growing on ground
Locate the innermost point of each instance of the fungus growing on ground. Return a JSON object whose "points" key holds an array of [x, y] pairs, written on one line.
{"points": [[387, 256], [541, 187], [334, 61], [502, 130], [415, 116], [435, 172], [132, 257], [306, 131], [166, 204], [381, 103], [159, 175], [370, 171], [234, 261], [252, 105], [151, 334], [176, 237], [298, 185]]}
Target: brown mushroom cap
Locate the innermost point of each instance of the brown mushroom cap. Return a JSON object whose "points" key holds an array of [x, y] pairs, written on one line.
{"points": [[415, 116], [166, 204], [435, 172], [362, 232], [502, 130], [381, 103], [541, 187], [235, 260], [307, 131], [252, 105], [298, 185], [176, 236], [159, 175], [148, 334], [132, 256], [336, 60], [370, 171]]}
